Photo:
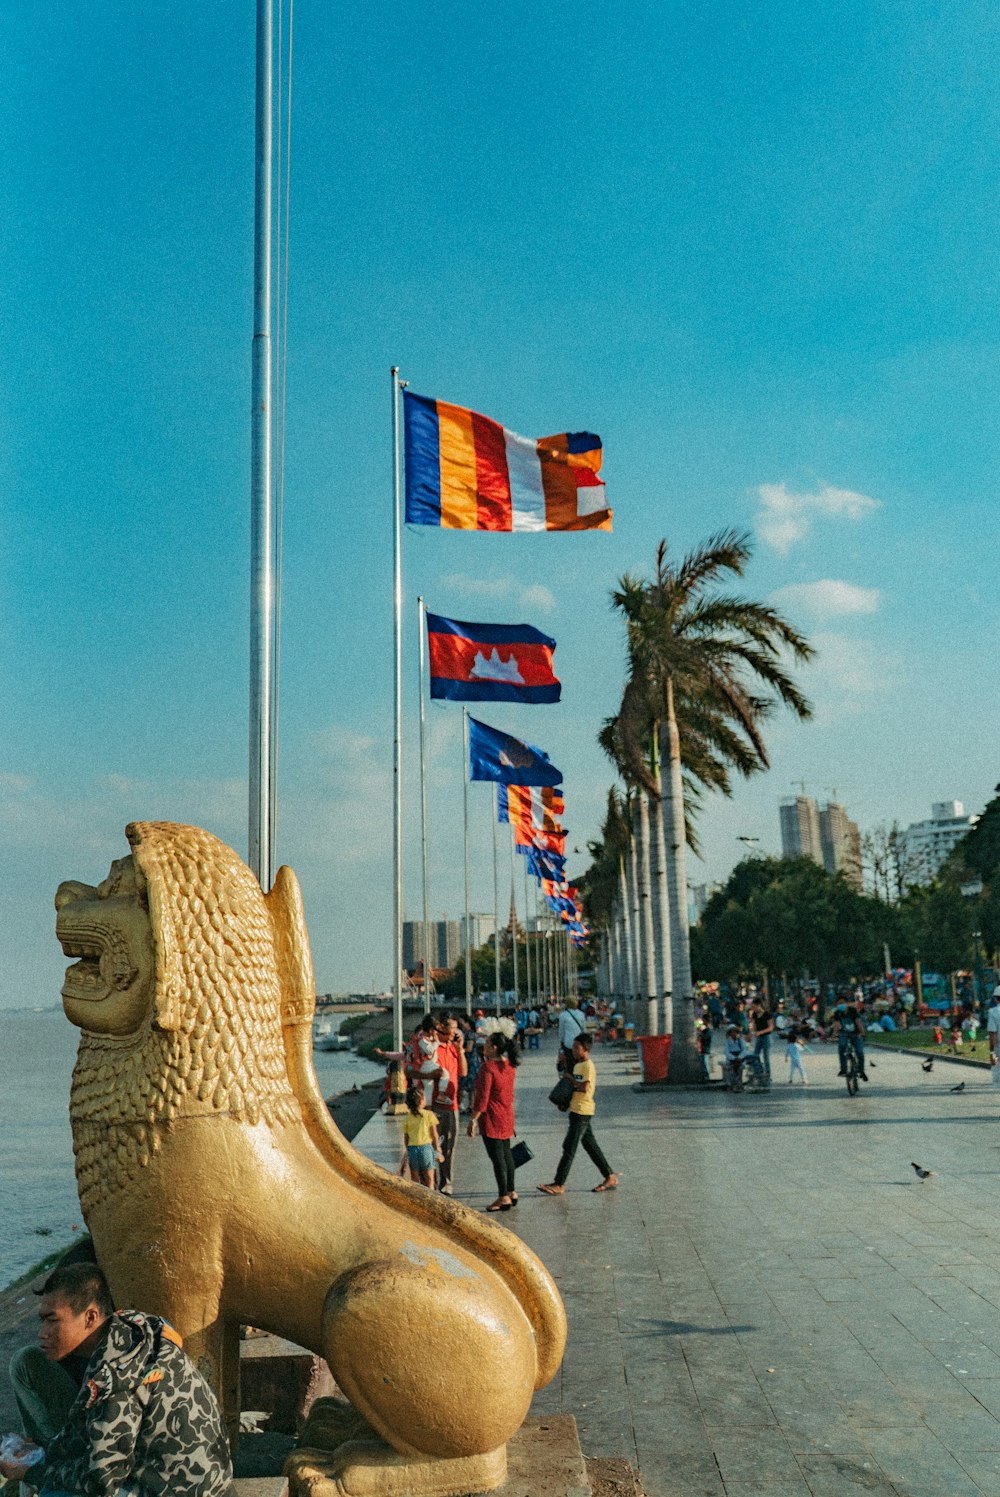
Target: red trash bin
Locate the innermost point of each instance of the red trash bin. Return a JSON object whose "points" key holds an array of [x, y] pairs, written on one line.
{"points": [[654, 1052]]}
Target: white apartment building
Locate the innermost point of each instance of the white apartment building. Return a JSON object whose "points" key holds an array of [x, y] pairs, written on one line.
{"points": [[925, 844]]}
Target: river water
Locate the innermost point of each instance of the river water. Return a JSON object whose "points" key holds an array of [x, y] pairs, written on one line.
{"points": [[38, 1205]]}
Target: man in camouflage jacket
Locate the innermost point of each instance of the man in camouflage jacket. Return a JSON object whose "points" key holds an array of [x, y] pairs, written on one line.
{"points": [[144, 1420]]}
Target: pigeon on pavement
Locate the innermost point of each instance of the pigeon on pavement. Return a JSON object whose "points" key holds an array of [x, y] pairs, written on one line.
{"points": [[927, 1065], [922, 1174], [960, 1087]]}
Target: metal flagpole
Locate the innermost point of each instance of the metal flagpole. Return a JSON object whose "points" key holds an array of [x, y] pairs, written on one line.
{"points": [[513, 915], [421, 633], [496, 903], [465, 807], [259, 853], [397, 727], [527, 933]]}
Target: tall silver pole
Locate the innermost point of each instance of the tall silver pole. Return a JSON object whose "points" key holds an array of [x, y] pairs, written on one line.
{"points": [[496, 905], [465, 808], [259, 854], [421, 634], [397, 727], [513, 917], [527, 933]]}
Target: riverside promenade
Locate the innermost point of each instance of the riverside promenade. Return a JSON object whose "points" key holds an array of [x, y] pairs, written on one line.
{"points": [[771, 1301]]}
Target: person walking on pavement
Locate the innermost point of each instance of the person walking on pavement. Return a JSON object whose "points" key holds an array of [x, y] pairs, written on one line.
{"points": [[581, 1130], [493, 1113], [762, 1028], [452, 1067], [571, 1023]]}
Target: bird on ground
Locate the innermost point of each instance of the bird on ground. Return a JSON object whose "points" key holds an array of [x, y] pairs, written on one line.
{"points": [[922, 1174], [928, 1064], [960, 1087]]}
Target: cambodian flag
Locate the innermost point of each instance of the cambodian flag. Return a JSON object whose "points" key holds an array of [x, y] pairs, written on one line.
{"points": [[494, 755], [490, 662]]}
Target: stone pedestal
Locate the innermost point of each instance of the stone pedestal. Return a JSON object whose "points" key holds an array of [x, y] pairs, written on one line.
{"points": [[542, 1460]]}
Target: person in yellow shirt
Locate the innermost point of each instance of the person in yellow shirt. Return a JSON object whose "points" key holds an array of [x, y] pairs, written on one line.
{"points": [[420, 1132], [580, 1130]]}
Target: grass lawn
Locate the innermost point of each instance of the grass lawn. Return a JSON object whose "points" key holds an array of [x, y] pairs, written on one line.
{"points": [[923, 1039]]}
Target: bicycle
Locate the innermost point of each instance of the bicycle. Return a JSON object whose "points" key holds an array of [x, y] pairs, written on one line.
{"points": [[747, 1074], [851, 1070]]}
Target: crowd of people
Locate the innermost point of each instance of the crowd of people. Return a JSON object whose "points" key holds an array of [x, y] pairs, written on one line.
{"points": [[453, 1065], [748, 1028]]}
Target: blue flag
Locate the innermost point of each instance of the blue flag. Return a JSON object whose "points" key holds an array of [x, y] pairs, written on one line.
{"points": [[494, 755], [546, 865]]}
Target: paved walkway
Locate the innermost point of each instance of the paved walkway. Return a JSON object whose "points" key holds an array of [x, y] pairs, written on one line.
{"points": [[771, 1300]]}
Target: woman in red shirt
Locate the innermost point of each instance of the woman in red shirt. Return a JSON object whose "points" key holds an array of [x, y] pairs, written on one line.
{"points": [[493, 1113]]}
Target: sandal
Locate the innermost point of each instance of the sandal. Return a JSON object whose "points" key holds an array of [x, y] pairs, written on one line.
{"points": [[611, 1183], [499, 1205], [552, 1190]]}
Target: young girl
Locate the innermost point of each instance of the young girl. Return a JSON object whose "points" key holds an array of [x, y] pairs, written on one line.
{"points": [[426, 1050], [796, 1050], [420, 1131], [395, 1086]]}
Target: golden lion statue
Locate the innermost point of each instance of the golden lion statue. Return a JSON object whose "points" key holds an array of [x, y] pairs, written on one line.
{"points": [[218, 1189]]}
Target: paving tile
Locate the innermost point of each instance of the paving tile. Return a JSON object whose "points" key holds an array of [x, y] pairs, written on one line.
{"points": [[665, 1474], [758, 1456], [843, 1476]]}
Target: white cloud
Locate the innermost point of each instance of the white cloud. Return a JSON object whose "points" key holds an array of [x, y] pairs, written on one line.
{"points": [[847, 673], [785, 518], [536, 596], [15, 784], [827, 598]]}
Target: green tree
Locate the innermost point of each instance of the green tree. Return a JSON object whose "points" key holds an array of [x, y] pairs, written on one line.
{"points": [[705, 671]]}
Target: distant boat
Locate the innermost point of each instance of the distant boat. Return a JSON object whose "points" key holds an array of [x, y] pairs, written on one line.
{"points": [[327, 1036]]}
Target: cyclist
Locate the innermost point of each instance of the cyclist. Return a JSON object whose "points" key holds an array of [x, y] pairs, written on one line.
{"points": [[852, 1033]]}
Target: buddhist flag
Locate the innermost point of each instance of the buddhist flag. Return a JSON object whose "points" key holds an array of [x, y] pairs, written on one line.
{"points": [[466, 472], [494, 755], [531, 805], [490, 662]]}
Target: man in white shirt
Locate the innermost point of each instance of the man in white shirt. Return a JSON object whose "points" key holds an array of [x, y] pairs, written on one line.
{"points": [[571, 1024]]}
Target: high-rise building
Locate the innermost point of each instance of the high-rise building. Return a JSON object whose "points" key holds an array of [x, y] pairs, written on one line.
{"points": [[841, 844], [800, 829], [925, 844], [445, 942], [481, 929]]}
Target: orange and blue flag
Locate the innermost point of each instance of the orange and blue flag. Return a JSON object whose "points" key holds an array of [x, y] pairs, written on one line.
{"points": [[490, 662], [531, 806], [466, 472]]}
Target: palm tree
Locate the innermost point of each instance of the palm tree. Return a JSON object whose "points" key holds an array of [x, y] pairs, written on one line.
{"points": [[705, 672]]}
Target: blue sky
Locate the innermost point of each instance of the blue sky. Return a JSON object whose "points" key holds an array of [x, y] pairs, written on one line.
{"points": [[757, 253]]}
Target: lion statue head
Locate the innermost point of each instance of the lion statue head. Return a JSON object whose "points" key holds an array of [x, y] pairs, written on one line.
{"points": [[177, 989]]}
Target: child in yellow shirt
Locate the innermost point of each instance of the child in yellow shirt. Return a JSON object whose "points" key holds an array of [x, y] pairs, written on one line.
{"points": [[420, 1132]]}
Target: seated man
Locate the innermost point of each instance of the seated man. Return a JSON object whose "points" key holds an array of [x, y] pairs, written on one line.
{"points": [[113, 1401]]}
